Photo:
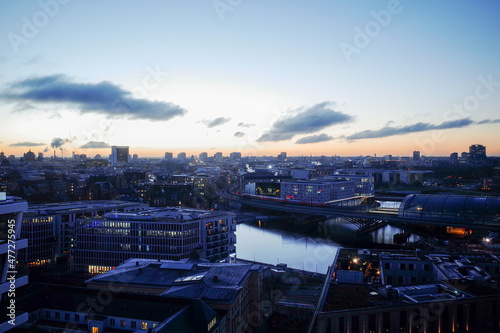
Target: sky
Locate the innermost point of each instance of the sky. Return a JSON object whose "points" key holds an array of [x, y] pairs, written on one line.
{"points": [[259, 77]]}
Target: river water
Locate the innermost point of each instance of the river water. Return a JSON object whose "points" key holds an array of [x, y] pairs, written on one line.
{"points": [[311, 247]]}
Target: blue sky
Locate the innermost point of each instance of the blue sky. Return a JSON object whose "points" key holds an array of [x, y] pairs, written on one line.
{"points": [[260, 77]]}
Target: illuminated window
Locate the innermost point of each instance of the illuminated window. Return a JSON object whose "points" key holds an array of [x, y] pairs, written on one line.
{"points": [[95, 329], [144, 326]]}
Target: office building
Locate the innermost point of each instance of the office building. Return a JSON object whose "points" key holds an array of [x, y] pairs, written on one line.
{"points": [[119, 155], [282, 156], [233, 291], [169, 155], [11, 242], [496, 181], [55, 308], [404, 291], [218, 157], [317, 191], [50, 228], [235, 155], [203, 156], [416, 155], [477, 152], [181, 156], [102, 243]]}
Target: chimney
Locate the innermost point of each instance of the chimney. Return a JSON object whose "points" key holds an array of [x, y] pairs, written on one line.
{"points": [[216, 278]]}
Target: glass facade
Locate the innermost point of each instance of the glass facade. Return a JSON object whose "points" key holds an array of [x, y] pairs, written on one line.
{"points": [[452, 209]]}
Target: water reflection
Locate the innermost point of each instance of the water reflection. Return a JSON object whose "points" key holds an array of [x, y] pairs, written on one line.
{"points": [[310, 247], [279, 246]]}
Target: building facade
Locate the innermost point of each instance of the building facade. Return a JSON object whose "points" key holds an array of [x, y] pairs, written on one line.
{"points": [[11, 241], [168, 233]]}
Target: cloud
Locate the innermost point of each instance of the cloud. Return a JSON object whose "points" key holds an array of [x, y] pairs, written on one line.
{"points": [[95, 145], [101, 98], [418, 127], [246, 125], [488, 121], [305, 120], [314, 139], [26, 144], [58, 142], [215, 122], [239, 134]]}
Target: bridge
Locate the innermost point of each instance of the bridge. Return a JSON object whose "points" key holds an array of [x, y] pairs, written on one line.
{"points": [[362, 215]]}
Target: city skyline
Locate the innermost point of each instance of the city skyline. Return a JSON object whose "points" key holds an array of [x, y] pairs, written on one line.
{"points": [[384, 77]]}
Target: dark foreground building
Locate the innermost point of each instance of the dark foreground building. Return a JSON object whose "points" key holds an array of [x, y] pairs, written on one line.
{"points": [[403, 291]]}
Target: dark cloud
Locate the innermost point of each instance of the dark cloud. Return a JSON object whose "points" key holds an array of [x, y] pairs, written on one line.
{"points": [[418, 127], [489, 121], [95, 145], [58, 142], [215, 122], [27, 144], [240, 124], [305, 120], [239, 134], [46, 149], [102, 98], [314, 139]]}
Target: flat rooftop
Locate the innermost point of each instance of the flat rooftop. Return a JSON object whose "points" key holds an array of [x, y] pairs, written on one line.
{"points": [[169, 213]]}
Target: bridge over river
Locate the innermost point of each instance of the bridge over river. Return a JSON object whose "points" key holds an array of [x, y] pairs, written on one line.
{"points": [[437, 210]]}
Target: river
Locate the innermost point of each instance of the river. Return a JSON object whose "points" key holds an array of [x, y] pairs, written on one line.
{"points": [[312, 247]]}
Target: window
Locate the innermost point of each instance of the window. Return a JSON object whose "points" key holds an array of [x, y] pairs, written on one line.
{"points": [[387, 265], [77, 317], [58, 315], [134, 324], [47, 314], [411, 267], [400, 279], [123, 323], [427, 267], [144, 325], [66, 316], [112, 322], [402, 266], [95, 329]]}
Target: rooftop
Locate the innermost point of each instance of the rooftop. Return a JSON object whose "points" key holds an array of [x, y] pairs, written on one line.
{"points": [[186, 278], [169, 213]]}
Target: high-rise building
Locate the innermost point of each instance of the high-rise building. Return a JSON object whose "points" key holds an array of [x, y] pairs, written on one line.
{"points": [[282, 156], [169, 155], [477, 152], [119, 155], [235, 155], [135, 157], [203, 156], [496, 181], [11, 241], [218, 157], [181, 156], [416, 155]]}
